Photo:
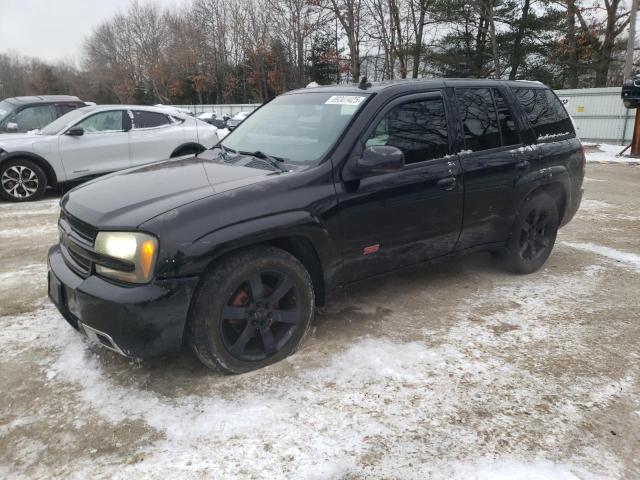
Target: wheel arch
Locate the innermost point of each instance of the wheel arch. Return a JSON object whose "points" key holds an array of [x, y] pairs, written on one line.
{"points": [[52, 178], [187, 146], [296, 232], [555, 181]]}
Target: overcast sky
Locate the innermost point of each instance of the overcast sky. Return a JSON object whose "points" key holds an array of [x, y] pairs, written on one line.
{"points": [[55, 29]]}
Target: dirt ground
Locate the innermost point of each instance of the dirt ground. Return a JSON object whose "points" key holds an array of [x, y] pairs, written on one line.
{"points": [[457, 371]]}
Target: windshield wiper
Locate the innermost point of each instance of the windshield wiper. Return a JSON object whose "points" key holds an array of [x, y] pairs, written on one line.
{"points": [[274, 161]]}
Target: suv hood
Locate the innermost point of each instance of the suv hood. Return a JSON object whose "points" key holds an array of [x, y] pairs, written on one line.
{"points": [[131, 197]]}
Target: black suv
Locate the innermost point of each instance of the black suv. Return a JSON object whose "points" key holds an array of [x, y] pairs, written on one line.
{"points": [[21, 114], [319, 188]]}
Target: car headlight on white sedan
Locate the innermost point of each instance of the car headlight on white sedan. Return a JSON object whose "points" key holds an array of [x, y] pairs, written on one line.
{"points": [[138, 250]]}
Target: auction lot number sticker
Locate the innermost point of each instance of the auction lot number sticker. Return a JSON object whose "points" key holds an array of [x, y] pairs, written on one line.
{"points": [[345, 100]]}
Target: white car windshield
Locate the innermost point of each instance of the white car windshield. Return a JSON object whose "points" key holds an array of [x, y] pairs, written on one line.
{"points": [[60, 123], [298, 128]]}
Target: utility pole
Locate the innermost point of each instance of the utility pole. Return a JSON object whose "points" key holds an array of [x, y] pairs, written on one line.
{"points": [[631, 42]]}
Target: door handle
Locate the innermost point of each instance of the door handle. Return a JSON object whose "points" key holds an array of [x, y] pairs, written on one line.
{"points": [[522, 165], [448, 183]]}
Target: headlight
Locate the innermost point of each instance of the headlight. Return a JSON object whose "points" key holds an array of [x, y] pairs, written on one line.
{"points": [[140, 249]]}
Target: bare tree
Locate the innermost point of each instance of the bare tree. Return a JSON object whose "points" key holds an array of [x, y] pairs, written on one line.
{"points": [[350, 15]]}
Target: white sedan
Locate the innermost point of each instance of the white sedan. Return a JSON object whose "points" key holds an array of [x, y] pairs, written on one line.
{"points": [[93, 141]]}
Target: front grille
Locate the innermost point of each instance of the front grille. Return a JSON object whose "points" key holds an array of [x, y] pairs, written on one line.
{"points": [[76, 237], [82, 262], [80, 228]]}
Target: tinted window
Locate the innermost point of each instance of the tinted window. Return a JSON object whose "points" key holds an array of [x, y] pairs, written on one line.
{"points": [[31, 118], [479, 118], [508, 127], [103, 122], [149, 119], [419, 129], [544, 111]]}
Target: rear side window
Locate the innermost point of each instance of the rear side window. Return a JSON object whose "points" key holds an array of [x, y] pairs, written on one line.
{"points": [[545, 112], [508, 128], [142, 119], [419, 129], [65, 108], [479, 118]]}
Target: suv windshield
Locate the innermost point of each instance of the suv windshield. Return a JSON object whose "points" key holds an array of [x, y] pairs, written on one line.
{"points": [[5, 109], [297, 127], [57, 125]]}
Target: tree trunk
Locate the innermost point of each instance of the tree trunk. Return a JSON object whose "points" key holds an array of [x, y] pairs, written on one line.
{"points": [[490, 9], [418, 28], [572, 70], [517, 54]]}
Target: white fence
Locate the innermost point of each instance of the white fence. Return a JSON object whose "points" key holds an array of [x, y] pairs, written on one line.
{"points": [[599, 113]]}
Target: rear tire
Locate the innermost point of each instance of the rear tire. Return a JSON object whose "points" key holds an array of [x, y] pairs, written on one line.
{"points": [[22, 181], [533, 235], [253, 309]]}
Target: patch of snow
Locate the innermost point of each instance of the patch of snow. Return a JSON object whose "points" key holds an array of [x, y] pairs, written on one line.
{"points": [[222, 132], [627, 259], [513, 469], [46, 229], [29, 274], [608, 154], [26, 206]]}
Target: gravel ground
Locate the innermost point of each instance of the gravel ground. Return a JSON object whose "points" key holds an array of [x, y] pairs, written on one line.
{"points": [[457, 371]]}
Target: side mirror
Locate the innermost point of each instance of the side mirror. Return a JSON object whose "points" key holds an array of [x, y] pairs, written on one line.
{"points": [[75, 131], [12, 127], [379, 159]]}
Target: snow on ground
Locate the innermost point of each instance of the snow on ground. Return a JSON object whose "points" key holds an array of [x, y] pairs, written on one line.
{"points": [[400, 402], [605, 153], [630, 260]]}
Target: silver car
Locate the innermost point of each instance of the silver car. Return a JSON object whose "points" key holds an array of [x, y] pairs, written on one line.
{"points": [[96, 140]]}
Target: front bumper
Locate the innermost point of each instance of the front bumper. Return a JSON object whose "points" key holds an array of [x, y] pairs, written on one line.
{"points": [[138, 321]]}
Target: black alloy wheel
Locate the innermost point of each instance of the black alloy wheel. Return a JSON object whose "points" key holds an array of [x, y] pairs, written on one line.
{"points": [[536, 234], [252, 309], [261, 316], [533, 234]]}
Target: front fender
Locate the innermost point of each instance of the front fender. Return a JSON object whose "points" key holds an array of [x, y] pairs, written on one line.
{"points": [[193, 259], [54, 173]]}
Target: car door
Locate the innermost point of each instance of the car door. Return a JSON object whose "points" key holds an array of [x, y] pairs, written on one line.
{"points": [[102, 148], [397, 219], [494, 155], [153, 136]]}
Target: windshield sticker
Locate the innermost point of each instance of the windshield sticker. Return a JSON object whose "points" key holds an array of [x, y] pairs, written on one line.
{"points": [[345, 100]]}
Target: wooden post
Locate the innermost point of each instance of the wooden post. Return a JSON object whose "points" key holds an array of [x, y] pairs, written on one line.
{"points": [[635, 143]]}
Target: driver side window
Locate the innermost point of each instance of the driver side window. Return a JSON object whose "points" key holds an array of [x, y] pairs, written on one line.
{"points": [[418, 128], [103, 122], [31, 118]]}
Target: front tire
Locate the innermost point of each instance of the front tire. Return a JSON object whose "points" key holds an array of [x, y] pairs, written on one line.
{"points": [[22, 181], [533, 235], [252, 310]]}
